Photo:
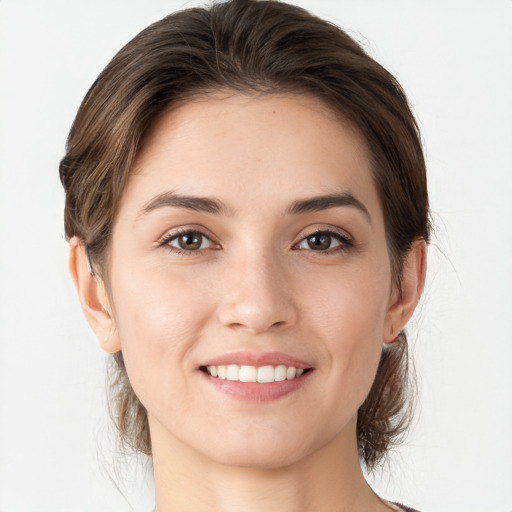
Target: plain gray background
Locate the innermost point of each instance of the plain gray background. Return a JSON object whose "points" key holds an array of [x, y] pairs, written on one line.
{"points": [[454, 59]]}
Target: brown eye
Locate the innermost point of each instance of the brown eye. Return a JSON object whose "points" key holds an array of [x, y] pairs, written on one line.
{"points": [[319, 242], [324, 241], [191, 241]]}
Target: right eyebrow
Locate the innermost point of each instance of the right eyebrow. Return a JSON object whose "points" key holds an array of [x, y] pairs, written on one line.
{"points": [[196, 203]]}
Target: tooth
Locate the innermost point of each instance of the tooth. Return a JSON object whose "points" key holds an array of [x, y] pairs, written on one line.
{"points": [[266, 374], [248, 374], [290, 372], [263, 374], [233, 372], [280, 373]]}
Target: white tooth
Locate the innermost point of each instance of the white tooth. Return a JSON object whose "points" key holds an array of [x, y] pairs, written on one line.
{"points": [[248, 374], [213, 371], [233, 372], [280, 373], [299, 372], [266, 374], [290, 372], [222, 371]]}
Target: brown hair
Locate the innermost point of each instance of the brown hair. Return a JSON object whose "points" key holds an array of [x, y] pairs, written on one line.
{"points": [[248, 46]]}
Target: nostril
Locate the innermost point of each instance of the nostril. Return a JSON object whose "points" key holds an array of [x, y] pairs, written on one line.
{"points": [[257, 312]]}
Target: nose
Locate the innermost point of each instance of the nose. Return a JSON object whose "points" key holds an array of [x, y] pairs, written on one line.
{"points": [[257, 295]]}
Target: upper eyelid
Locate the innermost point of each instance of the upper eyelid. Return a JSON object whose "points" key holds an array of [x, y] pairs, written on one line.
{"points": [[330, 230], [346, 241], [181, 230], [168, 237], [173, 233]]}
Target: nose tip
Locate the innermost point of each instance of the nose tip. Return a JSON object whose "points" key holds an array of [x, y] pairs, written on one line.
{"points": [[256, 320], [258, 300]]}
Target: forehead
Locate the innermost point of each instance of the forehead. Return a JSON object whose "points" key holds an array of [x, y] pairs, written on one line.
{"points": [[248, 149]]}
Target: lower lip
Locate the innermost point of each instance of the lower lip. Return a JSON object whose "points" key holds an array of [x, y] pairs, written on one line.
{"points": [[255, 391]]}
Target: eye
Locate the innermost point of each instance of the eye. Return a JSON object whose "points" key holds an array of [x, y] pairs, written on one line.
{"points": [[324, 241], [189, 241]]}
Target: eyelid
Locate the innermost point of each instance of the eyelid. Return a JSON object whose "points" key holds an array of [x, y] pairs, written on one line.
{"points": [[174, 233], [203, 238], [329, 230], [345, 239]]}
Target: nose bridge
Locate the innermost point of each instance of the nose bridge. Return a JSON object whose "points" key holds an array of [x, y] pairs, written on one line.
{"points": [[257, 293]]}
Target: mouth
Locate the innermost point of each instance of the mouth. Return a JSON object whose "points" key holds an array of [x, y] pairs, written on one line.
{"points": [[257, 377], [256, 374]]}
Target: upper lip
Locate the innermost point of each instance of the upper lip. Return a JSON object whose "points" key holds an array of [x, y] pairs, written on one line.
{"points": [[257, 359]]}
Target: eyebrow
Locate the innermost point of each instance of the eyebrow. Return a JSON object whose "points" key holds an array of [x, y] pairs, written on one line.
{"points": [[198, 204], [217, 207], [319, 203]]}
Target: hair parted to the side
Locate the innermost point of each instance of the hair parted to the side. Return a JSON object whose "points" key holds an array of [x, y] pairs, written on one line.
{"points": [[253, 47]]}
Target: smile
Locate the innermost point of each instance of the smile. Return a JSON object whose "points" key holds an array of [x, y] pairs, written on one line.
{"points": [[261, 374], [257, 376]]}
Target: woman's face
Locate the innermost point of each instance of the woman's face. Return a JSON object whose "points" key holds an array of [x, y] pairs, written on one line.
{"points": [[250, 236]]}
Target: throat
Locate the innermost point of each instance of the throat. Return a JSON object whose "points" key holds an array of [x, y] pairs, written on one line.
{"points": [[328, 480]]}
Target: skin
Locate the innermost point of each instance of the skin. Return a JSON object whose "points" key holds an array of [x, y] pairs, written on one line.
{"points": [[253, 284]]}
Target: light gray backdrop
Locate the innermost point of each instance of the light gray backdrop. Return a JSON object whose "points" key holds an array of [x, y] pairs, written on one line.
{"points": [[454, 59]]}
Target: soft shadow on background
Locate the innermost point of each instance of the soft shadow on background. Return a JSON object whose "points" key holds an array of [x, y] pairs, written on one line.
{"points": [[454, 59]]}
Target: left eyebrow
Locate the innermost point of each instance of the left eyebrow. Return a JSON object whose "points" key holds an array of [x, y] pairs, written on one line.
{"points": [[319, 203]]}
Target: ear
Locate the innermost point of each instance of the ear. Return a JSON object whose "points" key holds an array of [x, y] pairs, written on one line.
{"points": [[413, 281], [93, 297]]}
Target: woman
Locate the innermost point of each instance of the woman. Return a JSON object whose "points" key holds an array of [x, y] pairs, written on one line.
{"points": [[247, 212]]}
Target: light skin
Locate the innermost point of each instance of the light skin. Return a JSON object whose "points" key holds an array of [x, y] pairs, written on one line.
{"points": [[285, 251]]}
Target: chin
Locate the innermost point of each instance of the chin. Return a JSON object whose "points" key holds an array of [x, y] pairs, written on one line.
{"points": [[271, 451], [268, 458]]}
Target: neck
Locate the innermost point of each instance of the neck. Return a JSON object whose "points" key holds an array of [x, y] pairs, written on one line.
{"points": [[328, 480]]}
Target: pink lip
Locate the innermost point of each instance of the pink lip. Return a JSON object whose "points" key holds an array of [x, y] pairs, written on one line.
{"points": [[257, 359], [255, 391]]}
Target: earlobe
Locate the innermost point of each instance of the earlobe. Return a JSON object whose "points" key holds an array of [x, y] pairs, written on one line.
{"points": [[412, 284], [93, 297]]}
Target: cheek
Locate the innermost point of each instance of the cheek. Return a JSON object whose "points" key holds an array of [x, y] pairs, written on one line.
{"points": [[348, 312], [350, 302], [159, 319]]}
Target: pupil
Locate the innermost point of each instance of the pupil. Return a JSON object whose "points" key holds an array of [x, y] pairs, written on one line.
{"points": [[319, 242], [190, 241]]}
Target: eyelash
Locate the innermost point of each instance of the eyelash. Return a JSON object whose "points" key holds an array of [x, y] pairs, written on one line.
{"points": [[166, 241], [345, 242]]}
